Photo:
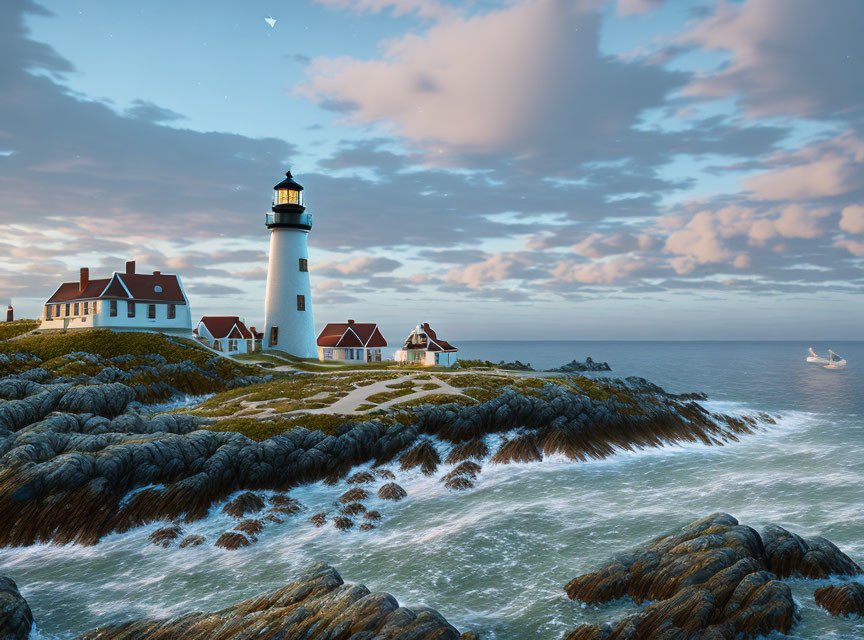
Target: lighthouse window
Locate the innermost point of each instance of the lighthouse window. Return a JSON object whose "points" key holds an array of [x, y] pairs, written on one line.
{"points": [[304, 264], [301, 303], [274, 336]]}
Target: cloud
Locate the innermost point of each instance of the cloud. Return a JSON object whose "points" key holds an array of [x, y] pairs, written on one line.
{"points": [[358, 267], [599, 271], [509, 79], [825, 169], [423, 8], [502, 266], [788, 57], [852, 246], [631, 7], [852, 219]]}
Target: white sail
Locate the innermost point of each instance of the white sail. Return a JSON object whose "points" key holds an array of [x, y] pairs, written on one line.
{"points": [[835, 361], [815, 358]]}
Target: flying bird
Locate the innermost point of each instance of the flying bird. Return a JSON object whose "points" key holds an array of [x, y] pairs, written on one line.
{"points": [[270, 21]]}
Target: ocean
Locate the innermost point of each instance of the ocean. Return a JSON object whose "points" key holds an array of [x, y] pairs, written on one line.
{"points": [[495, 559]]}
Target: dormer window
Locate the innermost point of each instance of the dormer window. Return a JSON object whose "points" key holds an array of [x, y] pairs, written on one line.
{"points": [[157, 289]]}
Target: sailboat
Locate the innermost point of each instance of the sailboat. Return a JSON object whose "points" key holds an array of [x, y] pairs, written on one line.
{"points": [[816, 359], [835, 361]]}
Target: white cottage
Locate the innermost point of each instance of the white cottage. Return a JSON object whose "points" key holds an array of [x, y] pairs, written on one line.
{"points": [[126, 301], [225, 333], [351, 342], [423, 347]]}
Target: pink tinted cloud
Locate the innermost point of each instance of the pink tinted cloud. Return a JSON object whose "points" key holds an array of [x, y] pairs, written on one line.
{"points": [[599, 271], [632, 7], [423, 8], [852, 246], [501, 266], [852, 219]]}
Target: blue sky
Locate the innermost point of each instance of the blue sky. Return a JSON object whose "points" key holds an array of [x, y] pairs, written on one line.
{"points": [[529, 169]]}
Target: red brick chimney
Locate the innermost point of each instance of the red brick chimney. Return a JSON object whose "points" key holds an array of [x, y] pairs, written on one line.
{"points": [[157, 273], [10, 314], [350, 322], [85, 279], [130, 267]]}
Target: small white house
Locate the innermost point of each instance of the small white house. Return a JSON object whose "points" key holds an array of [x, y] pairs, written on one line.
{"points": [[423, 347], [124, 302], [351, 342], [225, 333]]}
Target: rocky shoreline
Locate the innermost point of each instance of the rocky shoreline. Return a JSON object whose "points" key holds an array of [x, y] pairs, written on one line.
{"points": [[78, 460], [715, 579]]}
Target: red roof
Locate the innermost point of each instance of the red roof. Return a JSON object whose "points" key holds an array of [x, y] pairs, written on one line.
{"points": [[225, 327], [429, 340], [351, 335], [134, 286]]}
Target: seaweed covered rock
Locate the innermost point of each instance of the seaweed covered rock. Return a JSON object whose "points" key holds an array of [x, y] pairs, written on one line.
{"points": [[192, 541], [423, 455], [472, 450], [250, 526], [353, 495], [232, 540], [16, 620], [845, 599], [392, 491], [318, 606], [710, 579], [164, 536], [246, 502]]}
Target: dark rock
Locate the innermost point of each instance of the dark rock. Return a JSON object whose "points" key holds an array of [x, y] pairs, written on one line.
{"points": [[372, 515], [363, 477], [471, 450], [386, 474], [166, 535], [424, 455], [708, 580], [367, 526], [353, 495], [319, 606], [353, 509], [392, 491], [319, 519], [251, 527], [192, 541], [574, 366], [342, 523], [232, 540], [459, 483], [845, 599], [16, 620], [791, 555], [520, 449], [246, 502], [467, 469]]}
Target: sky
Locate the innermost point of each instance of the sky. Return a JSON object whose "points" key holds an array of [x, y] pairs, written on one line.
{"points": [[520, 169]]}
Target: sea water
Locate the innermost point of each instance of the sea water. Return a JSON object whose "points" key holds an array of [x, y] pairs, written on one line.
{"points": [[495, 559]]}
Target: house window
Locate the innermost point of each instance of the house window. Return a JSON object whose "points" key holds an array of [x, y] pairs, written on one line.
{"points": [[172, 311], [86, 308], [232, 345], [217, 345], [274, 336], [57, 310], [301, 303], [328, 354], [113, 309], [67, 308], [151, 311], [249, 347], [304, 264], [47, 312], [130, 309]]}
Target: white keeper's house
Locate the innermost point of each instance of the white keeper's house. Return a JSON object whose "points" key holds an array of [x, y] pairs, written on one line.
{"points": [[423, 347], [228, 334], [126, 301], [351, 342]]}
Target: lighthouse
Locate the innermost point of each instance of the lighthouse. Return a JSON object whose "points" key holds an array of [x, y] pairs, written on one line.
{"points": [[288, 322]]}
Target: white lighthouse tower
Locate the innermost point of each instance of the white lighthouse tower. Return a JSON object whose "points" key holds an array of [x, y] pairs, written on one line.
{"points": [[288, 322]]}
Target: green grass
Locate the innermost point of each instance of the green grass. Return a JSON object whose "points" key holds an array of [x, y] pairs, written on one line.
{"points": [[17, 328], [434, 399], [259, 430], [380, 398]]}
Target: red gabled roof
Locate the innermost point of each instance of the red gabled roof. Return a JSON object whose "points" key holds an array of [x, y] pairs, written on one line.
{"points": [[225, 327], [69, 291], [351, 335], [431, 343], [142, 286]]}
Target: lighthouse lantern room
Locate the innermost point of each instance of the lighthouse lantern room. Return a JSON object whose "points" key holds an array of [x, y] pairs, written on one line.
{"points": [[288, 324]]}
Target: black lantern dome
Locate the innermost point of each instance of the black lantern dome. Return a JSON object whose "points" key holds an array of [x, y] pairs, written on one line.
{"points": [[288, 195], [288, 208]]}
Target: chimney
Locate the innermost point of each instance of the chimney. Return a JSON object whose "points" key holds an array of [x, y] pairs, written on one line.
{"points": [[350, 322], [157, 273], [85, 279], [130, 267], [10, 314]]}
